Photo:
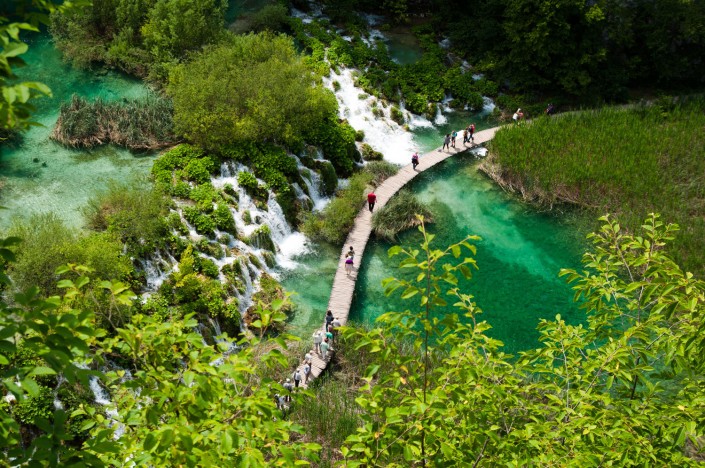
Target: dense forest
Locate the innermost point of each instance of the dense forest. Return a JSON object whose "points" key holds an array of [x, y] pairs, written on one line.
{"points": [[97, 370]]}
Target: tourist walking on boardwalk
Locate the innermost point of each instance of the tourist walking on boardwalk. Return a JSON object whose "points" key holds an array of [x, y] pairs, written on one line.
{"points": [[453, 136], [465, 135], [288, 386], [297, 378], [371, 200], [516, 115], [325, 346], [472, 133], [307, 372], [415, 160], [350, 253], [446, 143], [329, 334], [308, 358], [329, 318], [317, 339]]}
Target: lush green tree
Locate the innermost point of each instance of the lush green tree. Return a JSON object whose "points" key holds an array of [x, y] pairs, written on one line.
{"points": [[623, 389], [248, 88]]}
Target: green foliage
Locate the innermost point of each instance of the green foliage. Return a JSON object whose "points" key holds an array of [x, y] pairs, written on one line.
{"points": [[224, 219], [205, 195], [381, 170], [399, 214], [138, 36], [133, 213], [262, 239], [56, 335], [273, 17], [213, 117], [48, 244], [337, 140], [203, 223], [329, 178], [138, 124], [248, 181], [369, 154], [588, 394], [625, 161], [336, 219]]}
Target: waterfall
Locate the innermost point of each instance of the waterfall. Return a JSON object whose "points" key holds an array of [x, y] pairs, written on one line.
{"points": [[382, 133], [102, 398]]}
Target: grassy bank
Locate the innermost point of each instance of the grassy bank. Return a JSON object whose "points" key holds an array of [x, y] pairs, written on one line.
{"points": [[625, 161], [144, 124], [399, 215]]}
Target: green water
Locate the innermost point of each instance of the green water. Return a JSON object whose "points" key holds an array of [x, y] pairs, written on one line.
{"points": [[63, 180], [519, 258], [403, 46]]}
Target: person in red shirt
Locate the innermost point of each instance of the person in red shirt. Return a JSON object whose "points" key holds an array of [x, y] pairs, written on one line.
{"points": [[371, 200]]}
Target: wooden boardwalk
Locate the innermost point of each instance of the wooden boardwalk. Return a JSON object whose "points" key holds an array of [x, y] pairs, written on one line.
{"points": [[344, 285]]}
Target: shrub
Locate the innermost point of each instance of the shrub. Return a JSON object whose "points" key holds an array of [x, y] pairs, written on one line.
{"points": [[381, 170], [370, 154], [397, 115], [205, 195], [248, 181], [399, 215], [329, 179], [359, 135], [203, 223], [262, 239], [207, 267], [224, 219]]}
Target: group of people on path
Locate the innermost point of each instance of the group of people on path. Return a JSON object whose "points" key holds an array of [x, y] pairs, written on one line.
{"points": [[449, 140], [322, 346]]}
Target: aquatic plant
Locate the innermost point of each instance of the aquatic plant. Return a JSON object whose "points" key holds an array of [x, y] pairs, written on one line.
{"points": [[399, 214], [138, 124], [628, 161]]}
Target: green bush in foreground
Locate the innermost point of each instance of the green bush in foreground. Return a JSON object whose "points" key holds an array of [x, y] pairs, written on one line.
{"points": [[626, 161], [625, 389]]}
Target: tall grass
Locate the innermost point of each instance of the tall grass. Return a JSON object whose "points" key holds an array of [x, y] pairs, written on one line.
{"points": [[399, 215], [626, 161], [138, 124]]}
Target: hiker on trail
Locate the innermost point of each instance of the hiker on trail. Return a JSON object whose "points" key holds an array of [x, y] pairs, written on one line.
{"points": [[336, 323], [325, 346], [329, 334], [446, 142], [371, 200], [288, 386], [297, 378], [329, 318], [307, 372], [280, 400], [453, 137], [516, 117], [348, 270], [350, 253], [550, 110], [415, 160], [465, 135], [308, 358], [317, 339], [472, 133]]}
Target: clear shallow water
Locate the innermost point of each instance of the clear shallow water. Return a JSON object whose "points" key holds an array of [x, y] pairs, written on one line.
{"points": [[519, 259], [70, 177]]}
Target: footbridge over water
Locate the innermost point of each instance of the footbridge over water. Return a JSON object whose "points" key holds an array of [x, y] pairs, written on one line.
{"points": [[344, 284]]}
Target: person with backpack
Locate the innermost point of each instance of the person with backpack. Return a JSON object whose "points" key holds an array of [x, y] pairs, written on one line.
{"points": [[415, 160], [453, 137], [472, 133], [465, 135]]}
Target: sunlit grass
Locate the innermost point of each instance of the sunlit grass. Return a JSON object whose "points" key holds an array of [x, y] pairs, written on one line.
{"points": [[627, 161]]}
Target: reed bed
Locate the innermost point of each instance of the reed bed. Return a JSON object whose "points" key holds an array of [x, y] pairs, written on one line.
{"points": [[626, 161], [399, 215], [137, 124]]}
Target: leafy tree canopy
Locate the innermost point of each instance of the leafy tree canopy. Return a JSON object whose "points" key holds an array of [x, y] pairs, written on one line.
{"points": [[247, 88]]}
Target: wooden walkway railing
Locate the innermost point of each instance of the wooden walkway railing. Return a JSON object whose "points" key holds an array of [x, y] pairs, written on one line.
{"points": [[344, 285]]}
